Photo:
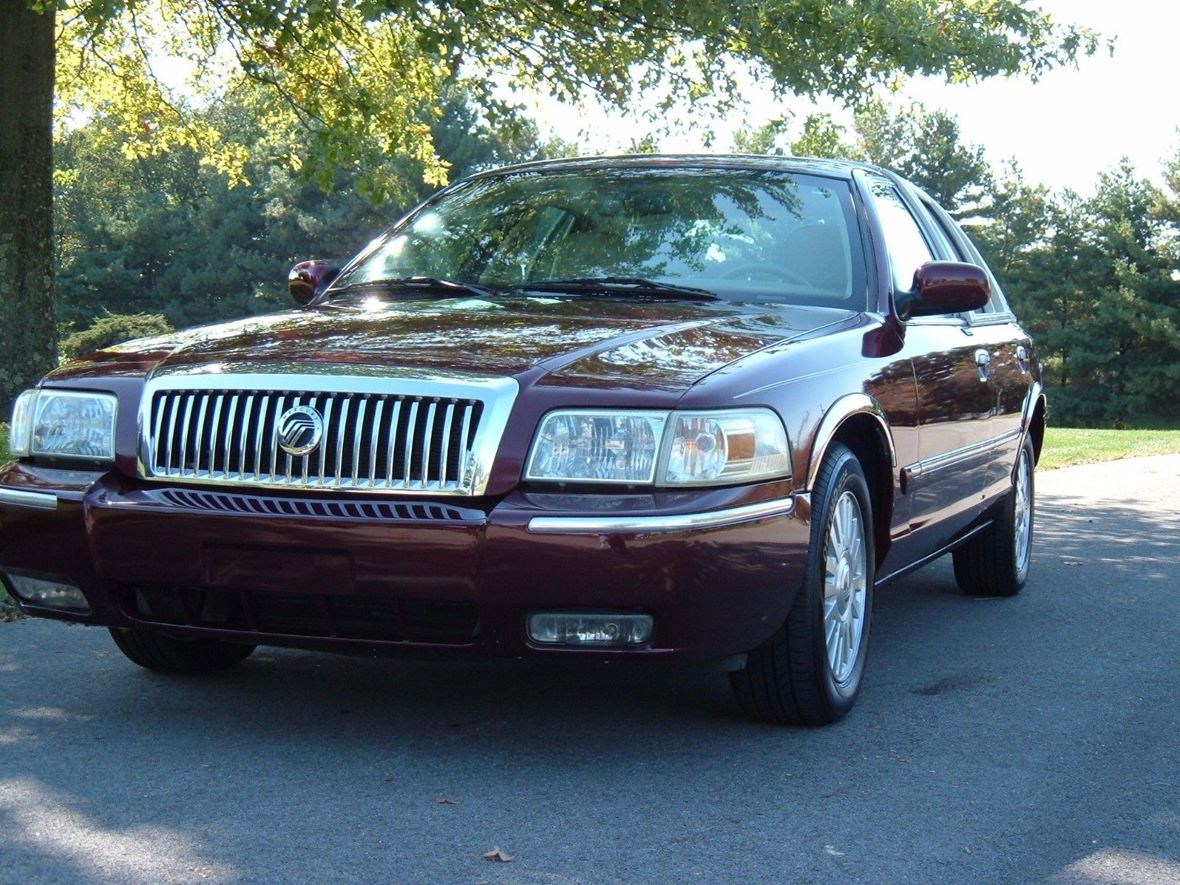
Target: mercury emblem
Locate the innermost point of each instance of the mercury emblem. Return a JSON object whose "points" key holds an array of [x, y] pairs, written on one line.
{"points": [[300, 430]]}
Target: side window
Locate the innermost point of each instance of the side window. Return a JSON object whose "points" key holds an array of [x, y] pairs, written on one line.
{"points": [[946, 240], [965, 250], [907, 247]]}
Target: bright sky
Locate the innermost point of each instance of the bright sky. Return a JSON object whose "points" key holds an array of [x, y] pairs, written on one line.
{"points": [[1064, 129]]}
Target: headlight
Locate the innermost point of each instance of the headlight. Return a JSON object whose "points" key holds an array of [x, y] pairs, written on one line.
{"points": [[724, 448], [64, 424], [618, 447], [660, 448]]}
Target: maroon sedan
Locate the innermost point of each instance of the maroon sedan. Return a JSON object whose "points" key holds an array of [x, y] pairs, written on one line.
{"points": [[641, 407]]}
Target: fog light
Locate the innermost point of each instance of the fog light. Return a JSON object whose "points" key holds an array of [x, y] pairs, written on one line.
{"points": [[47, 591], [579, 628]]}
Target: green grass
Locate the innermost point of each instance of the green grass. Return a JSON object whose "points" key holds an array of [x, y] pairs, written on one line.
{"points": [[1074, 445]]}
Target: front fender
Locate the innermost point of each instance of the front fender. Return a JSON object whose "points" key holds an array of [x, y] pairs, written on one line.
{"points": [[839, 412]]}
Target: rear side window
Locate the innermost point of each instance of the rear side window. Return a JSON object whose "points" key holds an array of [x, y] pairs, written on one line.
{"points": [[945, 239], [904, 242]]}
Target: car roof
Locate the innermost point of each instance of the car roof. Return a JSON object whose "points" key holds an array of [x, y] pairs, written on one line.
{"points": [[814, 166]]}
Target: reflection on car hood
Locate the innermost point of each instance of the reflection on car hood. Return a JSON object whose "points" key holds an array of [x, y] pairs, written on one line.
{"points": [[574, 341]]}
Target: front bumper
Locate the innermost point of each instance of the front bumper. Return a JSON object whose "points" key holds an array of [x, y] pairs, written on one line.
{"points": [[716, 570]]}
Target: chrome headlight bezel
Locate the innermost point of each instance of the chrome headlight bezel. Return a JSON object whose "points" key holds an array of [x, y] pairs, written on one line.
{"points": [[33, 417], [768, 427]]}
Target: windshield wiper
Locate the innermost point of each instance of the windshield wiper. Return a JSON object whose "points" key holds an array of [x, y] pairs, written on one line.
{"points": [[618, 286], [431, 284]]}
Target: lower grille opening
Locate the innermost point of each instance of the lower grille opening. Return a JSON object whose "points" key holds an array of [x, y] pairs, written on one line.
{"points": [[435, 621], [375, 618], [289, 613], [449, 622]]}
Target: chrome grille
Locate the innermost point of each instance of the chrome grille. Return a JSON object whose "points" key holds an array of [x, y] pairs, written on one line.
{"points": [[421, 440]]}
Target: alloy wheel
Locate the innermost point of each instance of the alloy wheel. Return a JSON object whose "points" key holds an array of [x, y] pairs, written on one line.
{"points": [[1022, 513], [845, 586]]}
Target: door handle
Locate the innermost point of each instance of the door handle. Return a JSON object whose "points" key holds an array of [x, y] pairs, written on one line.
{"points": [[1022, 359], [983, 359]]}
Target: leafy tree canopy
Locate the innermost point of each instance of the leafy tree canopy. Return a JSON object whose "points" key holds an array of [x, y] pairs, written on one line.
{"points": [[357, 79], [923, 145]]}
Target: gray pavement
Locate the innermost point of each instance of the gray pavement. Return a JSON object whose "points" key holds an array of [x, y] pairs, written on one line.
{"points": [[1012, 740]]}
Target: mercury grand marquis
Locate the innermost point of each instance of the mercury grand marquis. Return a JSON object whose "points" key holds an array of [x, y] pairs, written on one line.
{"points": [[632, 408]]}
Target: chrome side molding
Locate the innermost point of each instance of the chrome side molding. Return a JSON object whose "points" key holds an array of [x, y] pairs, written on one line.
{"points": [[956, 456]]}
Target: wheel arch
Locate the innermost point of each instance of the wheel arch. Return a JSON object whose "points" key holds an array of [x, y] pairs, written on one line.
{"points": [[858, 422], [1034, 419]]}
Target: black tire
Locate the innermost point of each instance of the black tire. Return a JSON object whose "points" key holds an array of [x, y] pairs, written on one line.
{"points": [[994, 562], [156, 651], [789, 678]]}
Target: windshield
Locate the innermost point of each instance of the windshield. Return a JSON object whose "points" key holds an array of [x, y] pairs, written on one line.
{"points": [[741, 234]]}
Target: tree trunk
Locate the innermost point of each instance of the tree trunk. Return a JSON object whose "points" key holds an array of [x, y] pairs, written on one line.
{"points": [[27, 331]]}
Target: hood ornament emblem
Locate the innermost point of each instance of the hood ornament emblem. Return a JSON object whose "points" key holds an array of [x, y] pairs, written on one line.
{"points": [[300, 430]]}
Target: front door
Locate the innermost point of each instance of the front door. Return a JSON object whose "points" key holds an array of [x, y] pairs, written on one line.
{"points": [[947, 480], [956, 405]]}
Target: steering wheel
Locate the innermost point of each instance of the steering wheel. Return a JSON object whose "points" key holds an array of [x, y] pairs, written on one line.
{"points": [[749, 270]]}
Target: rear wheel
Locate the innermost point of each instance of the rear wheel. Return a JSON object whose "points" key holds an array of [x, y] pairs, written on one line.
{"points": [[996, 561], [156, 651], [809, 672]]}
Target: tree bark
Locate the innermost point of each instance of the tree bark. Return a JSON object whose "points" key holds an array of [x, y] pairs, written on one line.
{"points": [[27, 330]]}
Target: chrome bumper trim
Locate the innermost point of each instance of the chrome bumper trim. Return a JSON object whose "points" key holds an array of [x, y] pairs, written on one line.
{"points": [[640, 525], [37, 500]]}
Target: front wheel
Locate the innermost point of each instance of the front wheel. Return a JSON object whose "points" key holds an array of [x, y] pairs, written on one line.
{"points": [[996, 561], [809, 672], [156, 651]]}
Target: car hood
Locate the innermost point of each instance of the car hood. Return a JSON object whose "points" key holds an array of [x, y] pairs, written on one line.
{"points": [[577, 341]]}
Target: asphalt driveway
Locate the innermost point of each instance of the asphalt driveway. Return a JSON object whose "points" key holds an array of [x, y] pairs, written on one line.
{"points": [[1036, 738]]}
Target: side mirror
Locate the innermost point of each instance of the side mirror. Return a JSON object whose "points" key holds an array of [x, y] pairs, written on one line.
{"points": [[308, 279], [942, 287]]}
